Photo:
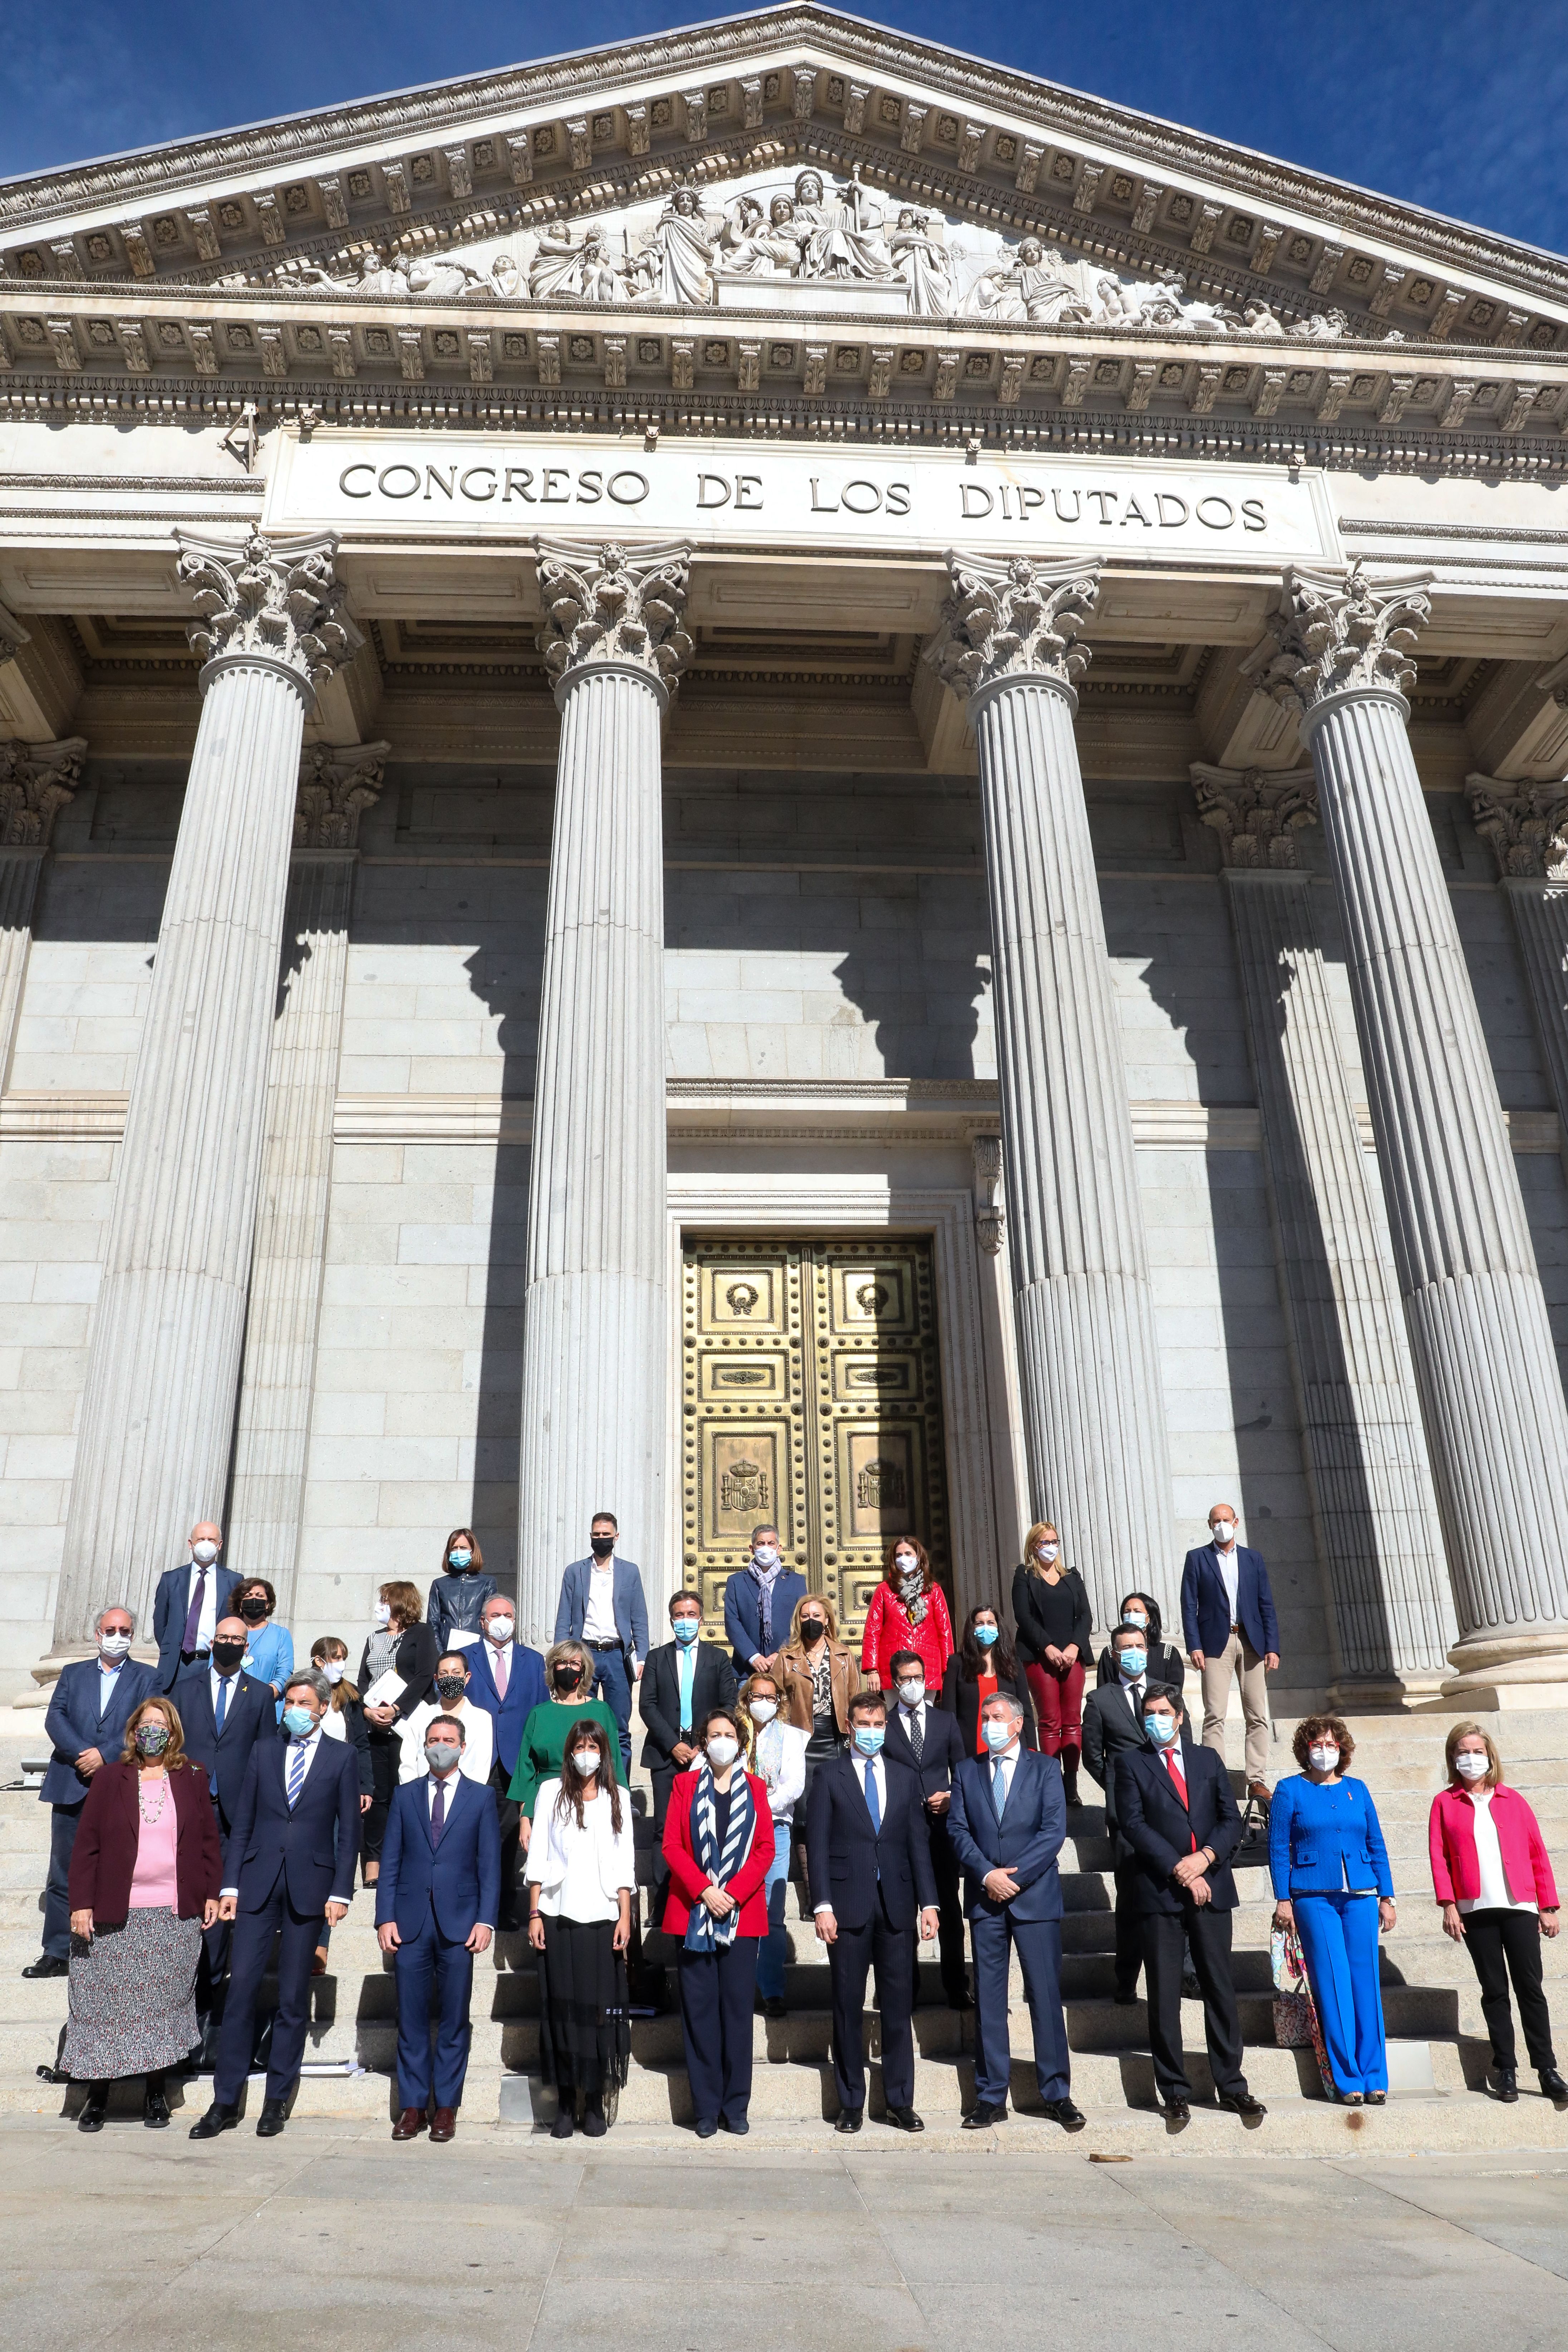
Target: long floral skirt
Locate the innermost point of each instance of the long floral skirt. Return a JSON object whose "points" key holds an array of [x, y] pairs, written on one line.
{"points": [[132, 1997]]}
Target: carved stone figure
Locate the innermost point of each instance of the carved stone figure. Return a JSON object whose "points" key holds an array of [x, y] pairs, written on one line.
{"points": [[749, 247], [1324, 325], [839, 236], [570, 271], [922, 264], [394, 278], [674, 265], [1032, 284]]}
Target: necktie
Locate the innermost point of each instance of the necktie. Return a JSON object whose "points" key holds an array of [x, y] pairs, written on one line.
{"points": [[1174, 1770], [222, 1707], [998, 1790], [296, 1772], [194, 1613], [871, 1798], [917, 1733], [502, 1665], [438, 1813]]}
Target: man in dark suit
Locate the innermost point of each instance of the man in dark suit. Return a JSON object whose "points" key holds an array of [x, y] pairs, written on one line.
{"points": [[921, 1735], [759, 1602], [1112, 1723], [289, 1861], [507, 1679], [601, 1605], [436, 1904], [682, 1681], [225, 1711], [1175, 1805], [1231, 1631], [188, 1603], [86, 1728], [869, 1853], [1007, 1822]]}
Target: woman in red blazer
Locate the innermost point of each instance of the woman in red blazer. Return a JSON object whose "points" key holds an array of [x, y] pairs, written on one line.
{"points": [[1494, 1886], [718, 1844], [909, 1611], [144, 1878]]}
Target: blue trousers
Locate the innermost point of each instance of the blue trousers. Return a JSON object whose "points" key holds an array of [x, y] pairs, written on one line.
{"points": [[423, 1961], [1339, 1942], [717, 1992], [64, 1823], [613, 1685], [773, 1951], [249, 1953], [1039, 1946]]}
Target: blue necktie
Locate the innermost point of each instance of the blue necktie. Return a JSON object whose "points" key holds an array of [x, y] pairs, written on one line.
{"points": [[296, 1772], [871, 1800], [998, 1791]]}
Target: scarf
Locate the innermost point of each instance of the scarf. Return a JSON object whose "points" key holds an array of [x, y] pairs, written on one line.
{"points": [[703, 1932], [911, 1592], [766, 1578]]}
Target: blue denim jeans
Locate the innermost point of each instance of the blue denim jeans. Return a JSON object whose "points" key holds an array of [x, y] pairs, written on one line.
{"points": [[774, 1951]]}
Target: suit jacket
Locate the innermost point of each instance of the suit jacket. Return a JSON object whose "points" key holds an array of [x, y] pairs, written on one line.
{"points": [[414, 1659], [267, 1840], [103, 1859], [1109, 1730], [1159, 1830], [459, 1881], [847, 1861], [250, 1715], [73, 1722], [524, 1691], [961, 1700], [658, 1695], [631, 1609], [1027, 1840], [1205, 1608], [743, 1615], [687, 1880], [941, 1749], [171, 1605], [1324, 1836]]}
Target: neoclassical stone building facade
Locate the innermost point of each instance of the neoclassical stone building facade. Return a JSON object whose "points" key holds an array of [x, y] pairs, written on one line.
{"points": [[767, 775]]}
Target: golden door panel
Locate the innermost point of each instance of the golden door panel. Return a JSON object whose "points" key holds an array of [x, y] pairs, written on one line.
{"points": [[812, 1399]]}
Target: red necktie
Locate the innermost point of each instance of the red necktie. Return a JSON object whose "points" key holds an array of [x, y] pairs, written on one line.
{"points": [[1174, 1770]]}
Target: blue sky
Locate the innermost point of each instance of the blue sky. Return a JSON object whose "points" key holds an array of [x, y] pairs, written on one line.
{"points": [[1453, 103]]}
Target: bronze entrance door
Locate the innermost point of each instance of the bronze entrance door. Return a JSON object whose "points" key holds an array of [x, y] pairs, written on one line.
{"points": [[812, 1398]]}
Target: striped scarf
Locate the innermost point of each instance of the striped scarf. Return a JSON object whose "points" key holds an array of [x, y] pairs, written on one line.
{"points": [[703, 1932]]}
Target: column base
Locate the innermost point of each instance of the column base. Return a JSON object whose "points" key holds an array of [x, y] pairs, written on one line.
{"points": [[1509, 1670], [1393, 1692]]}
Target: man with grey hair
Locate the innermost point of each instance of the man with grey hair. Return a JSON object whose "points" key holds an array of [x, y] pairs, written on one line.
{"points": [[86, 1728], [1007, 1821], [288, 1864]]}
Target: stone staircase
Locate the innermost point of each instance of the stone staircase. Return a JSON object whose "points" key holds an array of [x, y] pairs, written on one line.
{"points": [[1437, 2048]]}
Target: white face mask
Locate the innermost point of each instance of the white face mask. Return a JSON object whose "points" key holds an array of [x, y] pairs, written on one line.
{"points": [[763, 1709], [1048, 1552], [333, 1669], [113, 1645], [381, 1614], [499, 1629], [1324, 1759], [1135, 1617], [723, 1750], [1223, 1533], [205, 1552], [907, 1564], [766, 1556], [586, 1760], [1472, 1764], [912, 1694]]}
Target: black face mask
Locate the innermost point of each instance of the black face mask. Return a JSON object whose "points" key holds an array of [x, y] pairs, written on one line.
{"points": [[451, 1686], [812, 1629], [226, 1656], [254, 1609], [568, 1678], [603, 1546]]}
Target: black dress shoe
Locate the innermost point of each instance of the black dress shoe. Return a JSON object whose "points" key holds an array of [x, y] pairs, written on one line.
{"points": [[217, 2118], [155, 2108], [739, 2128], [45, 1965], [562, 2127], [273, 2117], [849, 2119], [1242, 2103], [91, 2117], [1063, 2112], [1506, 2085], [1552, 2086], [706, 2127], [1178, 2112], [981, 2119], [773, 2007], [904, 2119], [1124, 1999]]}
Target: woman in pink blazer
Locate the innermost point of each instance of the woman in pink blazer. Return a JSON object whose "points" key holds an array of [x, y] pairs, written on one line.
{"points": [[1494, 1886]]}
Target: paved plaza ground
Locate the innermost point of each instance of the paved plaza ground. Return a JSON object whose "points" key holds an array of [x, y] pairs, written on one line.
{"points": [[331, 2236]]}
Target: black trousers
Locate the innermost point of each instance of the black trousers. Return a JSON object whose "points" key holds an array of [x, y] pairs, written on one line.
{"points": [[1504, 1944], [1208, 1933], [509, 1817], [384, 1750], [64, 1823], [1129, 1927], [851, 1957], [718, 1990], [212, 1966], [252, 1950]]}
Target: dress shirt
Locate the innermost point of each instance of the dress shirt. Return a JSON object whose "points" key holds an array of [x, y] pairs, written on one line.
{"points": [[310, 1746], [216, 1681], [1496, 1894], [1229, 1565], [599, 1613], [479, 1739], [916, 1721], [880, 1775], [1002, 1768], [1134, 1693], [686, 1673], [208, 1617], [106, 1681], [501, 1666]]}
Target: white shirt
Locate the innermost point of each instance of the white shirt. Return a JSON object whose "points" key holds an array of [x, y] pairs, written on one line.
{"points": [[1134, 1693], [913, 1718], [295, 1747], [1229, 1565], [780, 1762], [1005, 1765], [599, 1616], [215, 1680], [1495, 1894], [880, 1776], [478, 1744], [208, 1618], [106, 1682], [580, 1872]]}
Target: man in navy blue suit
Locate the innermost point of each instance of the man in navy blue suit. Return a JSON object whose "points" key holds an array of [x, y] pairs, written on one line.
{"points": [[289, 1861], [1227, 1617], [436, 1904], [188, 1603], [224, 1712], [86, 1728], [507, 1679], [1176, 1811], [759, 1604], [1007, 1821]]}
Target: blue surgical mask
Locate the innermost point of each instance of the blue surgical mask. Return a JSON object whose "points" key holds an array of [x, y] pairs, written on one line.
{"points": [[1132, 1662], [1161, 1729], [298, 1722], [997, 1735], [986, 1635], [868, 1738], [459, 1556], [687, 1629]]}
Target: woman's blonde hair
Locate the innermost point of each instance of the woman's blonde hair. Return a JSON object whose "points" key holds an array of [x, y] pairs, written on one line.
{"points": [[1032, 1542], [820, 1600], [553, 1655], [1494, 1761], [746, 1721], [174, 1755], [342, 1689], [404, 1601]]}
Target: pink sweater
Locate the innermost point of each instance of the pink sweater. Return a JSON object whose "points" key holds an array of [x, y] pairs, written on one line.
{"points": [[1451, 1835], [154, 1887]]}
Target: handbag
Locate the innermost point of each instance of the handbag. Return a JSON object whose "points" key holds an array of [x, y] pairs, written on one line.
{"points": [[1296, 2024]]}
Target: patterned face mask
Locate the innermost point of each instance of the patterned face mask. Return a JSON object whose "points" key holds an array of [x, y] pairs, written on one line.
{"points": [[152, 1738]]}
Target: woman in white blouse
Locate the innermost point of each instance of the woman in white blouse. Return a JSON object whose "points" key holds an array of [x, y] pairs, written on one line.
{"points": [[776, 1752], [582, 1872]]}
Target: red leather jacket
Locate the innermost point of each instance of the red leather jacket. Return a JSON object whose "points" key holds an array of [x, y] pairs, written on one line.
{"points": [[1451, 1834], [888, 1631], [103, 1860], [687, 1879]]}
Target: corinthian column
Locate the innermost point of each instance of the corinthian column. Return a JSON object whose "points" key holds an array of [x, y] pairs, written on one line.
{"points": [[277, 1381], [1391, 1615], [1340, 650], [1093, 1411], [37, 780], [157, 1419], [1526, 824], [596, 1328]]}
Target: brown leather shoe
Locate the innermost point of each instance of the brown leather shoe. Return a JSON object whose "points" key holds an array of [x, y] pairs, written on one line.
{"points": [[409, 2124], [443, 2123]]}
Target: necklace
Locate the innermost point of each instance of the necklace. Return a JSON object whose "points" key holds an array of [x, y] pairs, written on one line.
{"points": [[155, 1816]]}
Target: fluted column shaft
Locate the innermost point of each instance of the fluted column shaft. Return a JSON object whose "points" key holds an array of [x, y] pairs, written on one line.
{"points": [[1492, 1392], [1094, 1413], [19, 871], [1541, 926], [1380, 1541], [37, 780]]}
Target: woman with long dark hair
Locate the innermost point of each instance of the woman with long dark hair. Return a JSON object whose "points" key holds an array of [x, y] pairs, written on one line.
{"points": [[984, 1664], [907, 1611], [1140, 1612], [582, 1876]]}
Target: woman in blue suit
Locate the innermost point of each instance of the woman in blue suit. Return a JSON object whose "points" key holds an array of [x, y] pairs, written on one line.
{"points": [[1330, 1874]]}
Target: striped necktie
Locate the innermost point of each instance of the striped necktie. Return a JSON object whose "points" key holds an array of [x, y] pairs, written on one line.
{"points": [[297, 1770]]}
